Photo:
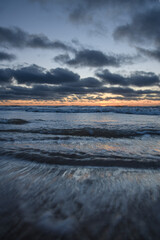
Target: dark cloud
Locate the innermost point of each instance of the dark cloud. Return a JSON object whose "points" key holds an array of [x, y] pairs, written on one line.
{"points": [[144, 28], [100, 3], [130, 92], [29, 75], [44, 92], [63, 76], [138, 79], [84, 10], [36, 75], [79, 14], [5, 76], [93, 58], [144, 79], [62, 58], [128, 98], [41, 41], [15, 37], [114, 3], [90, 83], [111, 78], [155, 54], [7, 57], [59, 83]]}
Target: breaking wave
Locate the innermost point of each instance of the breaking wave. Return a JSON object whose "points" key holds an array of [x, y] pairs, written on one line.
{"points": [[16, 121], [81, 159], [89, 132], [155, 110]]}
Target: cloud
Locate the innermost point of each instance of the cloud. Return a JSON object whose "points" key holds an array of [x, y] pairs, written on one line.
{"points": [[90, 82], [36, 75], [93, 58], [7, 57], [138, 79], [45, 92], [34, 82], [144, 28], [100, 3], [5, 76], [81, 11], [93, 12], [84, 10], [80, 15], [153, 53], [17, 38]]}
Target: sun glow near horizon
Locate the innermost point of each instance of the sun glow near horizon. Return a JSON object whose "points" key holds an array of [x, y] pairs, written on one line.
{"points": [[142, 103]]}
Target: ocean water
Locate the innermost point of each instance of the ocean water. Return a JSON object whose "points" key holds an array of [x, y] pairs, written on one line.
{"points": [[82, 136], [80, 172]]}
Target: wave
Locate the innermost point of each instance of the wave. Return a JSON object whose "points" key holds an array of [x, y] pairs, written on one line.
{"points": [[16, 121], [89, 132], [81, 159], [155, 110]]}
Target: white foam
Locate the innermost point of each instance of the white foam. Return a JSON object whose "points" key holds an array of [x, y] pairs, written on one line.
{"points": [[89, 109]]}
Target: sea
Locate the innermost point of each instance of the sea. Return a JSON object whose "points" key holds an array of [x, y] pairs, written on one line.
{"points": [[79, 172]]}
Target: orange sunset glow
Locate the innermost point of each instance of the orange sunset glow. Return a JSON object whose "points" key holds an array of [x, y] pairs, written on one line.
{"points": [[79, 103]]}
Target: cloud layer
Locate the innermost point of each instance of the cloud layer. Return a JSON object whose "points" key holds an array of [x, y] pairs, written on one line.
{"points": [[84, 10], [144, 27], [138, 79], [6, 56], [135, 23], [17, 38], [34, 82], [93, 58], [143, 30]]}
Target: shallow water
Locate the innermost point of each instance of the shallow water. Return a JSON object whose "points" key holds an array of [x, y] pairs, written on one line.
{"points": [[79, 175], [40, 201]]}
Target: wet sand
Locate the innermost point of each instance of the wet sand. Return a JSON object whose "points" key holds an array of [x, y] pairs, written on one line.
{"points": [[40, 201]]}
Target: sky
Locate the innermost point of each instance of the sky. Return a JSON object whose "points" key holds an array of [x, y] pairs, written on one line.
{"points": [[80, 52]]}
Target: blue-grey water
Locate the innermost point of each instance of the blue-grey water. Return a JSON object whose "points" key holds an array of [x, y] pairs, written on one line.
{"points": [[80, 172]]}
